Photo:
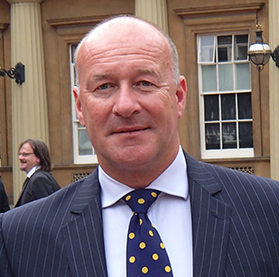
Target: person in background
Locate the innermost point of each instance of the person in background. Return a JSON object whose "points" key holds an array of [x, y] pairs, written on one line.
{"points": [[4, 203], [35, 161], [212, 221]]}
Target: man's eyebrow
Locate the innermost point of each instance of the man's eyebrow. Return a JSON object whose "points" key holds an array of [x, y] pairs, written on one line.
{"points": [[147, 71], [100, 76], [150, 72]]}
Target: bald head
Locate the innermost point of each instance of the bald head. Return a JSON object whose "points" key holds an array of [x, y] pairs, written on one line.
{"points": [[121, 30]]}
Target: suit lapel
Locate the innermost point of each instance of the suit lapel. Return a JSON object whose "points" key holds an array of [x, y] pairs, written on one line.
{"points": [[84, 232], [210, 221], [24, 186]]}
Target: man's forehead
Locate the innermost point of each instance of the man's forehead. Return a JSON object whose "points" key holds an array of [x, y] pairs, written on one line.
{"points": [[126, 37], [114, 36], [25, 145]]}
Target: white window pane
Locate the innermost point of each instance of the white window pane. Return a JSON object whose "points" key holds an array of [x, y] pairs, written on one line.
{"points": [[225, 77], [224, 48], [207, 49], [212, 134], [209, 82], [242, 76], [75, 75], [228, 106], [244, 106], [229, 135], [241, 47], [245, 135], [73, 49], [84, 147], [211, 107]]}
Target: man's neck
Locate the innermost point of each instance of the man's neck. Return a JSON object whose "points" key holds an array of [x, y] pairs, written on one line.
{"points": [[138, 177]]}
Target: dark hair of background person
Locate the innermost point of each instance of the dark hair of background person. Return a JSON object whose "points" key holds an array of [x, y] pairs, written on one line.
{"points": [[41, 151]]}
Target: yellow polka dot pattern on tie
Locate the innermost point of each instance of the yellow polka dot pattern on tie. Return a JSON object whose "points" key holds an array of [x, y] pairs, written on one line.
{"points": [[132, 259], [141, 201], [154, 194], [142, 245], [146, 252], [167, 268], [144, 270], [155, 257]]}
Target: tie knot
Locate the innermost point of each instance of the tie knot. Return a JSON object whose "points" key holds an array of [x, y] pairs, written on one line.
{"points": [[140, 200]]}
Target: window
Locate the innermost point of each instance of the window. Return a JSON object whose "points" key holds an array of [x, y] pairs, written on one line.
{"points": [[82, 148], [225, 96]]}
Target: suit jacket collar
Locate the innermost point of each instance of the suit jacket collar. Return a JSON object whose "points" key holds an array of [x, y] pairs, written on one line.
{"points": [[84, 232], [87, 190], [210, 221], [24, 186]]}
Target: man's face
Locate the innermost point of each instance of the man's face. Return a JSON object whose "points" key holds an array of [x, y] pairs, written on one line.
{"points": [[27, 158], [128, 100]]}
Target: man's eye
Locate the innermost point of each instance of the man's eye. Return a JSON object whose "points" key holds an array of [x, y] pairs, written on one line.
{"points": [[104, 86], [145, 83]]}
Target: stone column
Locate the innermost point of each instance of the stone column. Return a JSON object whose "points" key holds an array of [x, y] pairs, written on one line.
{"points": [[29, 103], [274, 91], [154, 11]]}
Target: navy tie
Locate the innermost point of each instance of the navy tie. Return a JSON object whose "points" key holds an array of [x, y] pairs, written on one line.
{"points": [[146, 253]]}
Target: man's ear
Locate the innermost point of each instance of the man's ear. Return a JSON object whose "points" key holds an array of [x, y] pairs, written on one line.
{"points": [[78, 106], [181, 95]]}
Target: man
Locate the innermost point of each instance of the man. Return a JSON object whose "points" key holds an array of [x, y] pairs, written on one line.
{"points": [[35, 160], [213, 221], [4, 203]]}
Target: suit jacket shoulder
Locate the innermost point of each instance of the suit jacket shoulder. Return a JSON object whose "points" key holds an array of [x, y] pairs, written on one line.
{"points": [[53, 226], [235, 222], [4, 203]]}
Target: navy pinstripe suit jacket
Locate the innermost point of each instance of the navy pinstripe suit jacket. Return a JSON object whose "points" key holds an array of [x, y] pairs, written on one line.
{"points": [[234, 216]]}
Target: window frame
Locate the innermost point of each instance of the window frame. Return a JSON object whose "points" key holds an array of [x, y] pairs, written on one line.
{"points": [[228, 152], [78, 159]]}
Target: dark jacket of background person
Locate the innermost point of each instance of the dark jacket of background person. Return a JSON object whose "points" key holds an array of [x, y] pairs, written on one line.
{"points": [[35, 161], [4, 203], [40, 184]]}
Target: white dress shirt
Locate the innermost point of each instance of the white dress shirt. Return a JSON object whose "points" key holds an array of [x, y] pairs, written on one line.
{"points": [[170, 213], [32, 171]]}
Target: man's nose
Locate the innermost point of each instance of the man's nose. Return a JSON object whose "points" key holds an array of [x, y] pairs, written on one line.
{"points": [[126, 101]]}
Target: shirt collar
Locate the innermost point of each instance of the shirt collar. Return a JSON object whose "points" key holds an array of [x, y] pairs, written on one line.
{"points": [[32, 171], [173, 181]]}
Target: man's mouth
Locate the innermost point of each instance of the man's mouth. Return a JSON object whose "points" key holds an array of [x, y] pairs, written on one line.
{"points": [[129, 130]]}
